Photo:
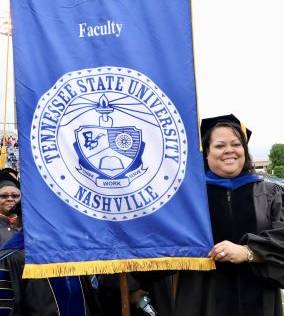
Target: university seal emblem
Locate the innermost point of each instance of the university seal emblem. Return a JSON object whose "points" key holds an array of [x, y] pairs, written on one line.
{"points": [[109, 143]]}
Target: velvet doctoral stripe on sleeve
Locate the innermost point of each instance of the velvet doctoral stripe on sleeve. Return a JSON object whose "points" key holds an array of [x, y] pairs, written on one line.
{"points": [[268, 244]]}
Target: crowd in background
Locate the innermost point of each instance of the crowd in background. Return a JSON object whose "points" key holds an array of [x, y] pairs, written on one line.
{"points": [[12, 147]]}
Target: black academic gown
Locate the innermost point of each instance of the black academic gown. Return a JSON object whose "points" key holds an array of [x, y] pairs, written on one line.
{"points": [[244, 289], [158, 286], [6, 231], [64, 296]]}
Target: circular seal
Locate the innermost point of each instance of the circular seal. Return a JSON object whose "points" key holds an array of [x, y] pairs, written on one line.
{"points": [[109, 143]]}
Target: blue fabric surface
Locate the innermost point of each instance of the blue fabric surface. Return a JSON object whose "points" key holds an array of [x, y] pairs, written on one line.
{"points": [[110, 159], [69, 295], [231, 183], [15, 242]]}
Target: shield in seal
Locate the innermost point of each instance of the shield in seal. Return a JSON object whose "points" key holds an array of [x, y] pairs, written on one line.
{"points": [[110, 152]]}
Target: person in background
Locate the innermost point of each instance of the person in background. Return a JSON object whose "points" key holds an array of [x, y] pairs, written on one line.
{"points": [[10, 196], [248, 230], [154, 285], [60, 296], [158, 286]]}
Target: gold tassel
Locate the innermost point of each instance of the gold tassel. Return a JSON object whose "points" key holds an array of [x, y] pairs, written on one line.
{"points": [[244, 130], [36, 271]]}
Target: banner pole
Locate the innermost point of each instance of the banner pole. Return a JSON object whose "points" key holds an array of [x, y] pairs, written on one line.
{"points": [[125, 307], [6, 84], [195, 71], [3, 156], [175, 279]]}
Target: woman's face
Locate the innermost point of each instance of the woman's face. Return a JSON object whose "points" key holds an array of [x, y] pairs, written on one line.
{"points": [[226, 155], [9, 197]]}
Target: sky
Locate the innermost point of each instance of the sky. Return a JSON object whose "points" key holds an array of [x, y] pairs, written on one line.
{"points": [[239, 66]]}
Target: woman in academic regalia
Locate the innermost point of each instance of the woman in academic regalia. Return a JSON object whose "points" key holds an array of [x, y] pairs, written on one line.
{"points": [[248, 230], [10, 196], [60, 296]]}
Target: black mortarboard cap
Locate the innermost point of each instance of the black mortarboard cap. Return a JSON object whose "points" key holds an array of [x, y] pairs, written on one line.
{"points": [[208, 123], [7, 180], [10, 170]]}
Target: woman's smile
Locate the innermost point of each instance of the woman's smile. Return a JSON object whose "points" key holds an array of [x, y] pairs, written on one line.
{"points": [[226, 156]]}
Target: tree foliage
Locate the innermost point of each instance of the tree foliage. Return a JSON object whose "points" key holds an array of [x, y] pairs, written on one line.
{"points": [[276, 157], [279, 171]]}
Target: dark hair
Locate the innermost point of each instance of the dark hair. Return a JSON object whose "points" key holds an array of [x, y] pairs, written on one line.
{"points": [[248, 167]]}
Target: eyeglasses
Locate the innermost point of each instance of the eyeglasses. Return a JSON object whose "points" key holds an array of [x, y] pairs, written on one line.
{"points": [[14, 196]]}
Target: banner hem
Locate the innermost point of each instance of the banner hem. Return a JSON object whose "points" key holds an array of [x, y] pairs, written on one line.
{"points": [[37, 271]]}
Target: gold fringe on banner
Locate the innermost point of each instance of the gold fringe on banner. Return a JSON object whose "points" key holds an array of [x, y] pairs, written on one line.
{"points": [[37, 271]]}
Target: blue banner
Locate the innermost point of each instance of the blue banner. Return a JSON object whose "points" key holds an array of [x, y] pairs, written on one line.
{"points": [[111, 169]]}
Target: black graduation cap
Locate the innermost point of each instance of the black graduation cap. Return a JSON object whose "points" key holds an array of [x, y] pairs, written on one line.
{"points": [[210, 122], [7, 180], [10, 170]]}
